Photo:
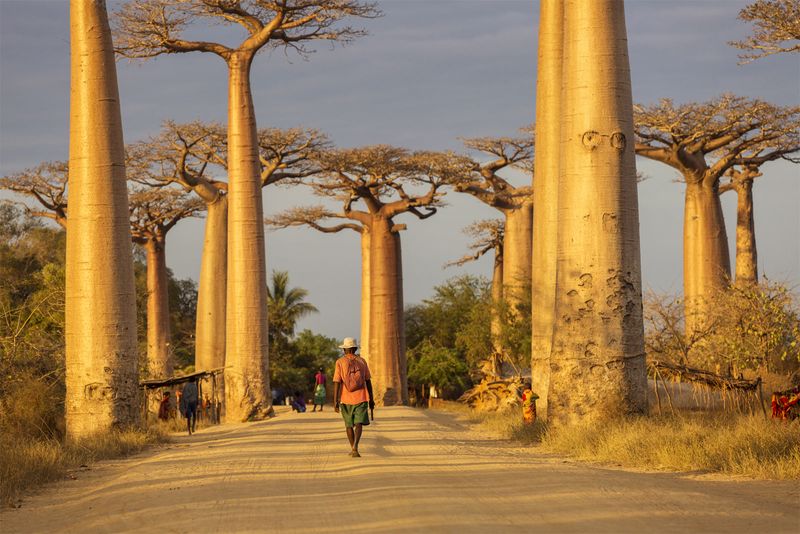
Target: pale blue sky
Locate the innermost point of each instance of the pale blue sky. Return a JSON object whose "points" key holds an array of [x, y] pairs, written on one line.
{"points": [[430, 71]]}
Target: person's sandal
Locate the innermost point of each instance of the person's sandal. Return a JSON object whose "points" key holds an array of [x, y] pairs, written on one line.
{"points": [[355, 454]]}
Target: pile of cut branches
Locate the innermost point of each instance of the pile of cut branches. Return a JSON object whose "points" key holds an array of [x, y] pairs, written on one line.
{"points": [[493, 394]]}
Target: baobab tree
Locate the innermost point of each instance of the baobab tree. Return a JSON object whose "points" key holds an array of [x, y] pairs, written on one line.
{"points": [[47, 185], [597, 364], [740, 180], [776, 29], [101, 352], [488, 237], [326, 221], [190, 155], [386, 181], [154, 212], [149, 28], [545, 180], [703, 141], [514, 202]]}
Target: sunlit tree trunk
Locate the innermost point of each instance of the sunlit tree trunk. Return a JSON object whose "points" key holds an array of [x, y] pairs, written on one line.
{"points": [[247, 391], [597, 361], [496, 328], [517, 253], [387, 343], [159, 358], [545, 183], [101, 352], [365, 292], [706, 261], [211, 293], [746, 253]]}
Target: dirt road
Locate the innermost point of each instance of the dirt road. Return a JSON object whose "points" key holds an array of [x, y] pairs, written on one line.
{"points": [[419, 472]]}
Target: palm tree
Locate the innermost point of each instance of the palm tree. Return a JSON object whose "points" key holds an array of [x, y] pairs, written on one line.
{"points": [[285, 307]]}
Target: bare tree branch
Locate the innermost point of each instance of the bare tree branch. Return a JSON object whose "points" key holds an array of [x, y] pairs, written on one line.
{"points": [[148, 28], [46, 184], [488, 236], [776, 29], [703, 140]]}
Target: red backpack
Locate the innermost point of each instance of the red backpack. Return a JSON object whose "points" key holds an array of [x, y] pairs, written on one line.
{"points": [[353, 378]]}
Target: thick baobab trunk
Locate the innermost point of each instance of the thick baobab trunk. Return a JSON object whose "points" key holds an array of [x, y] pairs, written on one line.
{"points": [[495, 327], [211, 293], [597, 362], [247, 391], [545, 185], [386, 333], [746, 254], [101, 351], [159, 355], [365, 292], [517, 253], [706, 262]]}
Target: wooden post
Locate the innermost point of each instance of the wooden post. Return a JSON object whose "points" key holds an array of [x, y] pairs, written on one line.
{"points": [[666, 390], [658, 398], [761, 397]]}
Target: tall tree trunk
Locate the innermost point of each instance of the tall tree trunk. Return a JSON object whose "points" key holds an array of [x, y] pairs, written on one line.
{"points": [[545, 183], [365, 292], [517, 253], [211, 293], [159, 356], [247, 391], [496, 327], [597, 360], [746, 253], [101, 346], [387, 343], [706, 261]]}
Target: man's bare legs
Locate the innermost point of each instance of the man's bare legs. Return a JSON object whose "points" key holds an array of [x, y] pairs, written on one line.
{"points": [[354, 436]]}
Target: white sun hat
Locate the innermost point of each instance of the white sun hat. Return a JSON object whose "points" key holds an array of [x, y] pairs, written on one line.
{"points": [[349, 343]]}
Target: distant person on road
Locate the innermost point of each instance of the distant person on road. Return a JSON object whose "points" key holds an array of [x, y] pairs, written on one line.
{"points": [[319, 390], [189, 399], [528, 404], [352, 392]]}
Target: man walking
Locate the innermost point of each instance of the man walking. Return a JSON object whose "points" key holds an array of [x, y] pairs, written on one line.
{"points": [[190, 399], [352, 392]]}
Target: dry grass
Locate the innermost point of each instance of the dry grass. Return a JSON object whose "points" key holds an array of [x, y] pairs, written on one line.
{"points": [[26, 462], [748, 445]]}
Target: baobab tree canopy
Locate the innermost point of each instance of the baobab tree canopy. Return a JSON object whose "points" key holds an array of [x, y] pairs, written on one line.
{"points": [[703, 141], [385, 182], [776, 29], [515, 202], [154, 212], [147, 28], [47, 185]]}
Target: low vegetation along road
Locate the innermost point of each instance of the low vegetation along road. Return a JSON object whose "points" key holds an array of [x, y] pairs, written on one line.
{"points": [[419, 471]]}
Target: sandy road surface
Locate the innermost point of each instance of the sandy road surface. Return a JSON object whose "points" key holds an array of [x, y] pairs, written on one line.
{"points": [[419, 472]]}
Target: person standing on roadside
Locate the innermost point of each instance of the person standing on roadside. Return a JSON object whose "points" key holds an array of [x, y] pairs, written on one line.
{"points": [[319, 390], [352, 392]]}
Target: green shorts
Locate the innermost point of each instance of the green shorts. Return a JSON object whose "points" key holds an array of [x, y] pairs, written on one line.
{"points": [[355, 414]]}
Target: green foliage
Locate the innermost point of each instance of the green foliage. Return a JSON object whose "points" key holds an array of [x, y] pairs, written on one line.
{"points": [[182, 312], [294, 360], [756, 327], [443, 367], [752, 328], [448, 333], [294, 367], [31, 326], [454, 326]]}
